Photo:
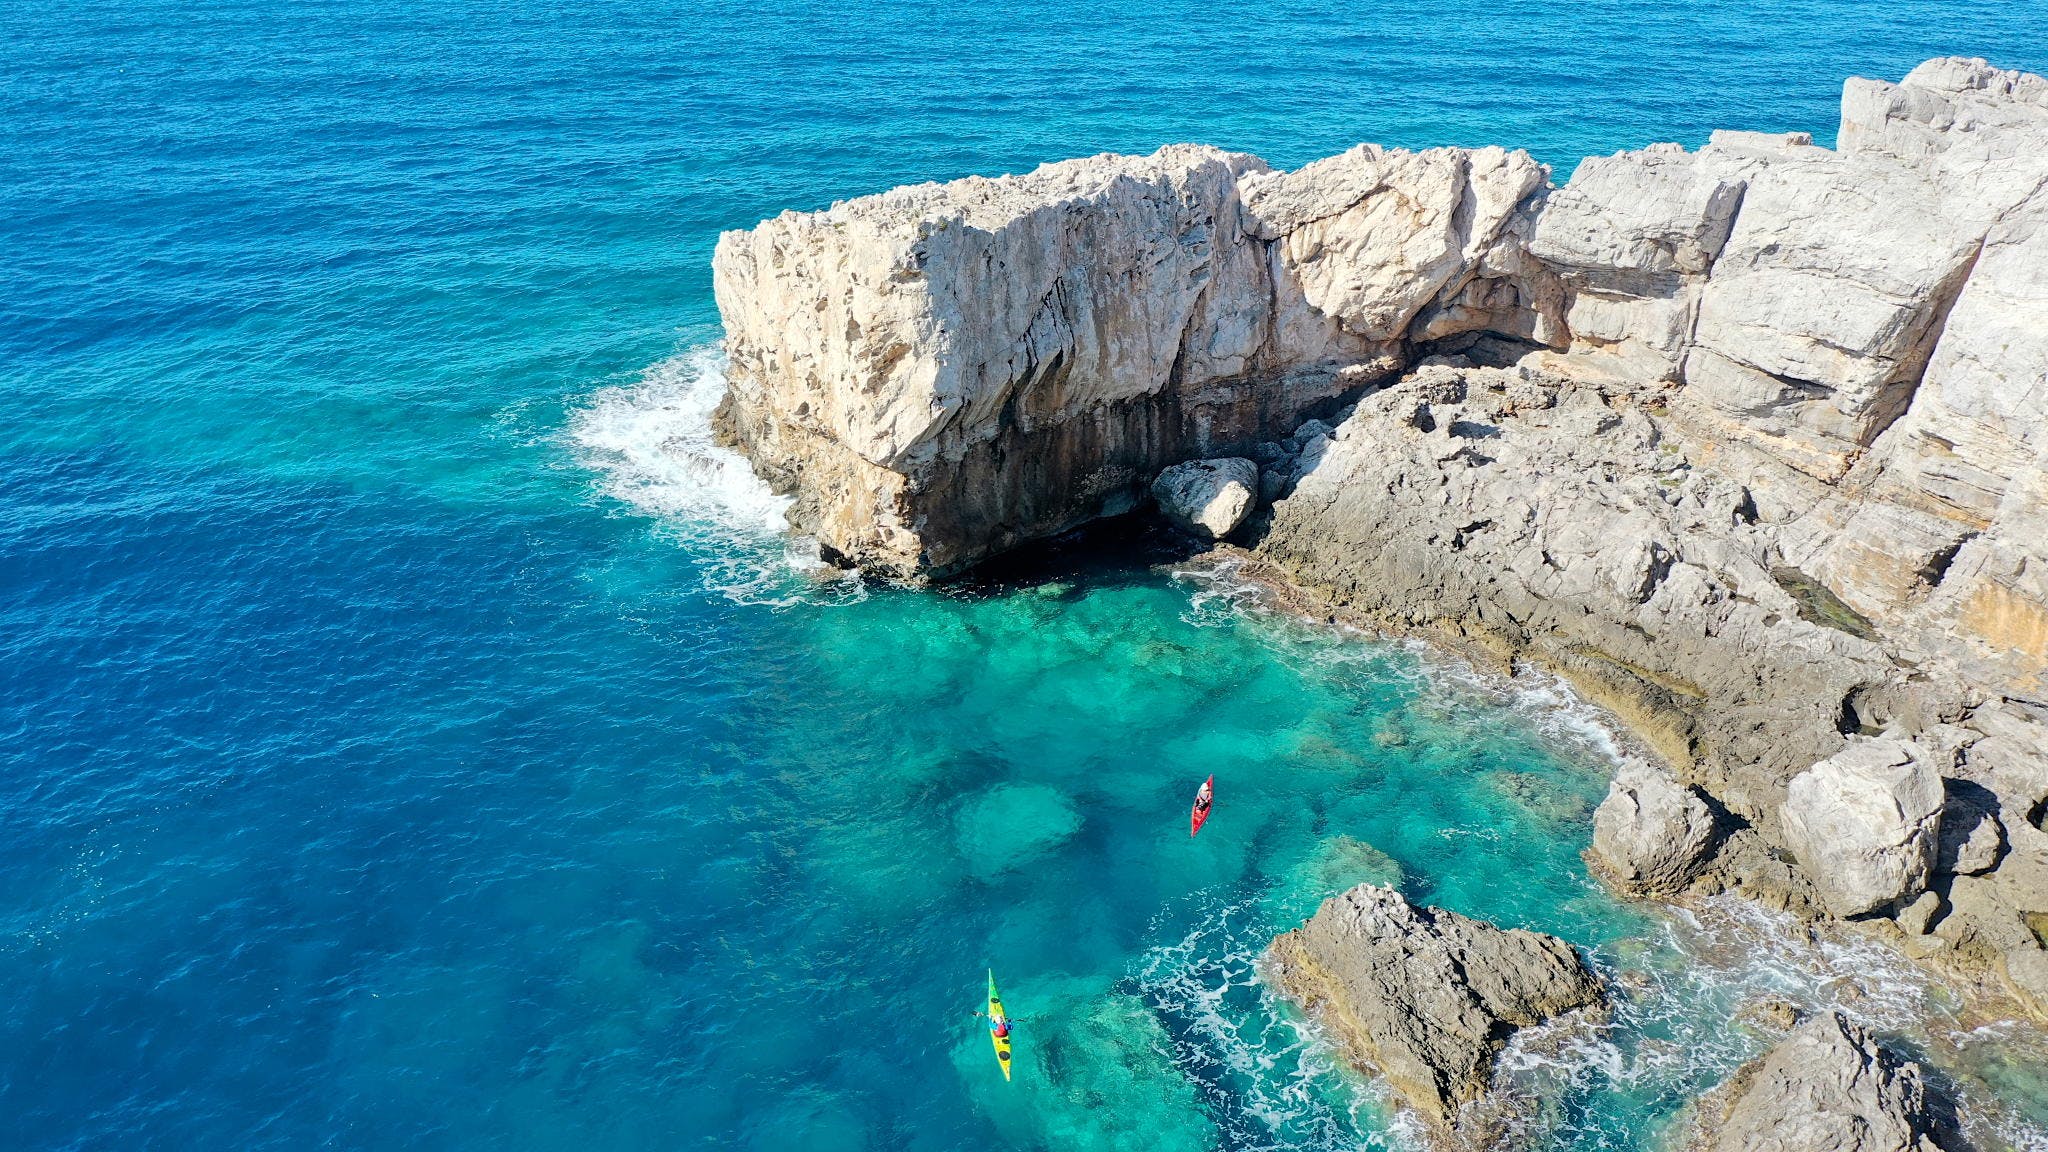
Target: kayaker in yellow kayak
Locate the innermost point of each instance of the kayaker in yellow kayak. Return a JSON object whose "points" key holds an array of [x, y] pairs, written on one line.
{"points": [[998, 1026]]}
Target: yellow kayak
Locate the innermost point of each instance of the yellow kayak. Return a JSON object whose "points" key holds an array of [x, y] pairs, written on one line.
{"points": [[996, 1017]]}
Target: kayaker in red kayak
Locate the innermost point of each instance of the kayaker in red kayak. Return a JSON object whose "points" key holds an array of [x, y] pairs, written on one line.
{"points": [[1204, 798]]}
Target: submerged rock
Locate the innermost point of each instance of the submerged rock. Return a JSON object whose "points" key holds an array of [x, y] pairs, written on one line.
{"points": [[1209, 498], [1828, 1087], [1338, 865], [1424, 997], [1865, 823], [1011, 825], [1652, 833], [1100, 1065]]}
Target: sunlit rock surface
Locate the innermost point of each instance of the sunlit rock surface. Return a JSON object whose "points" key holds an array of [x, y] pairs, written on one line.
{"points": [[1828, 1087]]}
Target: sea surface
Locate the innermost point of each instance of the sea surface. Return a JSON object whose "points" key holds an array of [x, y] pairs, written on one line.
{"points": [[414, 734]]}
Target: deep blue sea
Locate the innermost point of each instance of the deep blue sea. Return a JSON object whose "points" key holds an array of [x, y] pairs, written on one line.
{"points": [[414, 735]]}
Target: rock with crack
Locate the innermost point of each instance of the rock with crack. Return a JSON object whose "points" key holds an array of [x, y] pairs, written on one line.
{"points": [[1828, 1087], [1208, 498], [1947, 527], [1972, 128], [1633, 235], [1824, 305], [1651, 834], [1424, 997], [1866, 823]]}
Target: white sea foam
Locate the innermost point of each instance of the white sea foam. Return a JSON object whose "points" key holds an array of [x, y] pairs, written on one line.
{"points": [[650, 443], [1221, 595], [1270, 1076]]}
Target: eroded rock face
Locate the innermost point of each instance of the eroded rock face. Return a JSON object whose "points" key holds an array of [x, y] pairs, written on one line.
{"points": [[1007, 342], [1866, 822], [1824, 305], [1651, 834], [1947, 533], [1424, 997], [1208, 498], [1828, 1087]]}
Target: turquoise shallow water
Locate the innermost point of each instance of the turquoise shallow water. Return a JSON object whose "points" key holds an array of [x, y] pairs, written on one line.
{"points": [[411, 736]]}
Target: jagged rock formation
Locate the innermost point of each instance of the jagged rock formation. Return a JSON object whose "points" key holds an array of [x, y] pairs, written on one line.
{"points": [[1550, 518], [1751, 443], [1424, 997], [1828, 1087], [944, 371]]}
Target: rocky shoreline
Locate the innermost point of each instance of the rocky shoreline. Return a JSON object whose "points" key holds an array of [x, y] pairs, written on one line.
{"points": [[1750, 444]]}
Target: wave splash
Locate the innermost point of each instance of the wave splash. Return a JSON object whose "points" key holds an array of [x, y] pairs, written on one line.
{"points": [[1267, 1076], [651, 444]]}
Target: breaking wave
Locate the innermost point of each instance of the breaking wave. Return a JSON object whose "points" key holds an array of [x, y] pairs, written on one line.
{"points": [[651, 444]]}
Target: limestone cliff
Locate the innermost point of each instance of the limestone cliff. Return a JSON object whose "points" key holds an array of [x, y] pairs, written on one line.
{"points": [[1750, 441], [941, 372]]}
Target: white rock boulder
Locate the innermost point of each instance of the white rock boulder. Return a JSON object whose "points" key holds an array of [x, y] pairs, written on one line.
{"points": [[1209, 498], [1866, 823], [1652, 833]]}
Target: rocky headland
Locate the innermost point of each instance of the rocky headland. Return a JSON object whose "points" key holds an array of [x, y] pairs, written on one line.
{"points": [[1425, 997], [1750, 443]]}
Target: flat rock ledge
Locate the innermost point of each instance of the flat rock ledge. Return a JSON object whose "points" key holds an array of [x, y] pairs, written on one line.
{"points": [[1828, 1087], [1423, 997]]}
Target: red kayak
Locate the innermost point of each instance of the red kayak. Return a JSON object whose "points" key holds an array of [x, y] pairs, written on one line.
{"points": [[1205, 798]]}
